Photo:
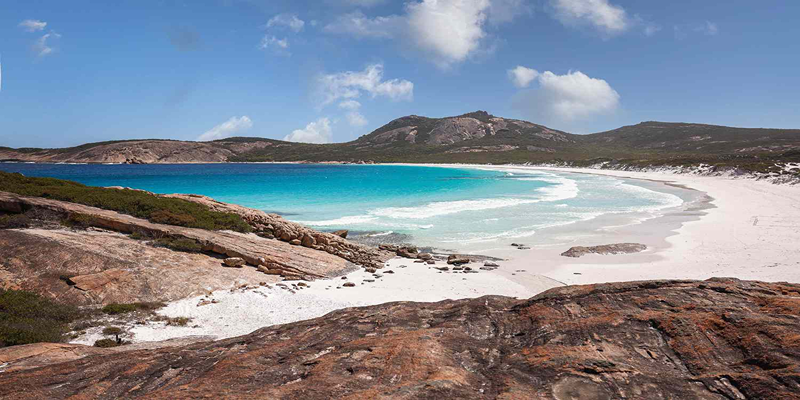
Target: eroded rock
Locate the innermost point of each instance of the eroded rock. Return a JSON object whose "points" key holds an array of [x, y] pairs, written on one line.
{"points": [[717, 339]]}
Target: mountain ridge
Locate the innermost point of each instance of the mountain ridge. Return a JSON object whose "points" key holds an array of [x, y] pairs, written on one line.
{"points": [[475, 137]]}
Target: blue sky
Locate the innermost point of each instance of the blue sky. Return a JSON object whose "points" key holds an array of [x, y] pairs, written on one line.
{"points": [[332, 70]]}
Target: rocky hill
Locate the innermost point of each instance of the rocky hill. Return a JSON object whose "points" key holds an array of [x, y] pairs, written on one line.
{"points": [[717, 339], [476, 137]]}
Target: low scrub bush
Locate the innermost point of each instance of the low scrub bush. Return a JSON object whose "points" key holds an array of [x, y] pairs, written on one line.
{"points": [[185, 245], [132, 202], [106, 343], [14, 221], [26, 317]]}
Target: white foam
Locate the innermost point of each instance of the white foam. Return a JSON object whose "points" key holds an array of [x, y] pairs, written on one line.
{"points": [[348, 220], [439, 208]]}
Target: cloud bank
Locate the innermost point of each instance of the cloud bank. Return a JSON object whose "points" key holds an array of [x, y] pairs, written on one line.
{"points": [[231, 127], [318, 132], [565, 98]]}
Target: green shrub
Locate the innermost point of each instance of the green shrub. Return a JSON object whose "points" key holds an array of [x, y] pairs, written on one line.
{"points": [[112, 331], [183, 244], [80, 221], [26, 317], [132, 202], [124, 308], [106, 343], [15, 221]]}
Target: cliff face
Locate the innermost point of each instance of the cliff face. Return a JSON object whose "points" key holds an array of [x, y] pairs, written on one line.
{"points": [[718, 339]]}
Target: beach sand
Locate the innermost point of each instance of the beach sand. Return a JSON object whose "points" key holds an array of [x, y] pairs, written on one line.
{"points": [[739, 228]]}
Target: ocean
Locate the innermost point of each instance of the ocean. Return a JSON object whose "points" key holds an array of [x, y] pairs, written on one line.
{"points": [[448, 208]]}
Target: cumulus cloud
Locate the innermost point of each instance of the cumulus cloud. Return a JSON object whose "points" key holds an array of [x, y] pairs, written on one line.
{"points": [[522, 76], [318, 131], [569, 97], [608, 18], [287, 21], [42, 46], [352, 84], [447, 32], [32, 25], [229, 128]]}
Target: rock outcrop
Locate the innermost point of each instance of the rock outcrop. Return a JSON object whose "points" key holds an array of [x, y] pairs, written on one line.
{"points": [[93, 268], [275, 226], [718, 339], [619, 248], [291, 261]]}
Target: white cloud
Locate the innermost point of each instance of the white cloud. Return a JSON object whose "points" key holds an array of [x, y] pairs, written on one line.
{"points": [[522, 76], [351, 105], [352, 84], [228, 128], [359, 25], [569, 97], [41, 46], [287, 21], [32, 25], [271, 41], [448, 30], [355, 119], [318, 131], [709, 28], [602, 15]]}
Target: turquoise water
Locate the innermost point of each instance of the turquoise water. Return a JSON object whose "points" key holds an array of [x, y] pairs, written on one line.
{"points": [[451, 208]]}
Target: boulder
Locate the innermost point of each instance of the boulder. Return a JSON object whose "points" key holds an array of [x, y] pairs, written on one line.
{"points": [[234, 262], [490, 264], [341, 233], [619, 248], [349, 284], [455, 259], [424, 256]]}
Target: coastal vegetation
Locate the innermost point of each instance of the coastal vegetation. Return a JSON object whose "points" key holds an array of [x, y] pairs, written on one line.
{"points": [[136, 203], [26, 317]]}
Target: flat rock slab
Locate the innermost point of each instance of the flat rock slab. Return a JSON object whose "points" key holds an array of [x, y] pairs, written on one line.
{"points": [[108, 267], [619, 248], [293, 261], [716, 339]]}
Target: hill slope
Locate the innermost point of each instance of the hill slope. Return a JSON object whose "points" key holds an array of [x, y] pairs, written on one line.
{"points": [[477, 137]]}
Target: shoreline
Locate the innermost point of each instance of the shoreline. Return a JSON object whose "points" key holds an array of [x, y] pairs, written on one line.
{"points": [[745, 228]]}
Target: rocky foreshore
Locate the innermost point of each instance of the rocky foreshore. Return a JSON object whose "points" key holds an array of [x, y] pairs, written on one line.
{"points": [[715, 339], [105, 263]]}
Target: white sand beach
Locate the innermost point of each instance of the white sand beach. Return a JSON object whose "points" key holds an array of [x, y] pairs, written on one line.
{"points": [[744, 228]]}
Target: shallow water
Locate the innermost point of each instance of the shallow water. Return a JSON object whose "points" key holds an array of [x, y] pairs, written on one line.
{"points": [[448, 208]]}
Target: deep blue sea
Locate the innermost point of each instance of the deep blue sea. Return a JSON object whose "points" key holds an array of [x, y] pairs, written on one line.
{"points": [[450, 208]]}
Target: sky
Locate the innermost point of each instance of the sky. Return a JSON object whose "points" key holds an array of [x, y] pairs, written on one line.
{"points": [[325, 71]]}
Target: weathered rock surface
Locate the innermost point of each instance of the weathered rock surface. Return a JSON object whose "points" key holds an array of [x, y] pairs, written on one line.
{"points": [[718, 339], [293, 261], [275, 226], [107, 267], [619, 248], [234, 262], [455, 259]]}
